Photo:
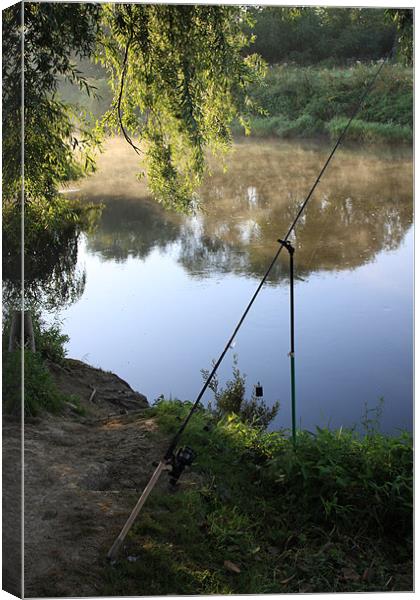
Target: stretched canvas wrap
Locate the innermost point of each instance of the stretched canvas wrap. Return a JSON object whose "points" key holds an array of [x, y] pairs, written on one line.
{"points": [[207, 216]]}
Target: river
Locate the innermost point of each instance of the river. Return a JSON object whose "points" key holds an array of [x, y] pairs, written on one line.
{"points": [[162, 292]]}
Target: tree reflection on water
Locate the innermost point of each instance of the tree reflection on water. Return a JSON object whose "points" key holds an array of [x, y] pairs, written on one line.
{"points": [[52, 278], [363, 206]]}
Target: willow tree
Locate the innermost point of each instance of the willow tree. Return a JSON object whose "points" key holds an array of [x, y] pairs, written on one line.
{"points": [[55, 35], [179, 79], [403, 19], [42, 132]]}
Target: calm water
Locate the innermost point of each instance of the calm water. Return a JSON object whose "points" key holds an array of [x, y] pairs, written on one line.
{"points": [[163, 292]]}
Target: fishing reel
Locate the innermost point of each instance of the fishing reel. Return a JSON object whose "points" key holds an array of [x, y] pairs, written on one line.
{"points": [[184, 457]]}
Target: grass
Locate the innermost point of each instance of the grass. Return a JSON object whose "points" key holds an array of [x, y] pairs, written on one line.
{"points": [[257, 516], [40, 392], [370, 132], [314, 101]]}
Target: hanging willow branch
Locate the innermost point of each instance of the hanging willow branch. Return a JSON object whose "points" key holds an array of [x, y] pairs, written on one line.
{"points": [[184, 72], [123, 72]]}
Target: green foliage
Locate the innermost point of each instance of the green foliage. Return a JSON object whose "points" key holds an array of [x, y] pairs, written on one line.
{"points": [[49, 340], [57, 140], [49, 226], [326, 35], [403, 19], [53, 32], [370, 132], [40, 392], [304, 102], [179, 79], [365, 484], [332, 515], [231, 399]]}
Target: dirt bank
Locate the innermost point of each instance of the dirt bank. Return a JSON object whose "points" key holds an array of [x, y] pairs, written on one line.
{"points": [[100, 393], [83, 475]]}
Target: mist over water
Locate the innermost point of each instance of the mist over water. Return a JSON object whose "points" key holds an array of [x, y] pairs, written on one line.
{"points": [[163, 291]]}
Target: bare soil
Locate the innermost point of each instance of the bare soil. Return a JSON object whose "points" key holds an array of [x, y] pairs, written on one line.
{"points": [[83, 475]]}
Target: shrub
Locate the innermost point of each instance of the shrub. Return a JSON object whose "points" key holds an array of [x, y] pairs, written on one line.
{"points": [[49, 341], [310, 101], [360, 483], [333, 513], [231, 399], [40, 391], [369, 132]]}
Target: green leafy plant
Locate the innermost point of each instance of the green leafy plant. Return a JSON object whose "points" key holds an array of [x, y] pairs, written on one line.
{"points": [[327, 35], [39, 392], [332, 514], [179, 78], [49, 340], [316, 101], [370, 132], [231, 399]]}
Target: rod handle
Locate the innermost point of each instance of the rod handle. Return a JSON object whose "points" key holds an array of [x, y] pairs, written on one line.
{"points": [[112, 554]]}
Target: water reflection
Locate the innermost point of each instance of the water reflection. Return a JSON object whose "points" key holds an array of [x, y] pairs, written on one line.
{"points": [[53, 278], [132, 228], [158, 275], [363, 206]]}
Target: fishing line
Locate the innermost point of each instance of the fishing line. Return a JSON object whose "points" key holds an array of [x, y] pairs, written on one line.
{"points": [[272, 263], [169, 455]]}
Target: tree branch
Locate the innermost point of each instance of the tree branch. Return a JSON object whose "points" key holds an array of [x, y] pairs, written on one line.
{"points": [[123, 72]]}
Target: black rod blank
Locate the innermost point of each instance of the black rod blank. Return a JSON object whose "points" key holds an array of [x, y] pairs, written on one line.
{"points": [[174, 442], [169, 453]]}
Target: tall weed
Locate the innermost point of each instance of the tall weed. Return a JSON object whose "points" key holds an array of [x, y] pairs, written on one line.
{"points": [[333, 513], [231, 399], [369, 132], [39, 391], [311, 101]]}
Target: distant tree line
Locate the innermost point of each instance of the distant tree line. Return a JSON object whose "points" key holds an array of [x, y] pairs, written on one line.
{"points": [[333, 36]]}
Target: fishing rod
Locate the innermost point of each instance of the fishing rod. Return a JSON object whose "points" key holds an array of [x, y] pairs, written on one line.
{"points": [[177, 462]]}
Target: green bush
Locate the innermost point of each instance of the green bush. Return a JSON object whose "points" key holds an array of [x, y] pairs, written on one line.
{"points": [[312, 101], [40, 392], [231, 399], [370, 132], [333, 514], [311, 35], [266, 127], [360, 483], [49, 341]]}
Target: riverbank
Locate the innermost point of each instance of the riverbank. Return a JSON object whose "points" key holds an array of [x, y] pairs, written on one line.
{"points": [[314, 101], [265, 518], [252, 515]]}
